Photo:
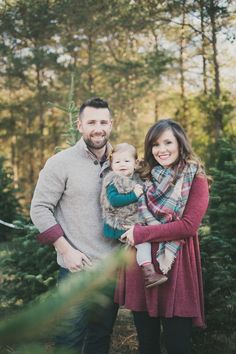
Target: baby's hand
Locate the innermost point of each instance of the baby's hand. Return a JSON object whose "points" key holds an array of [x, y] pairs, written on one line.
{"points": [[138, 190]]}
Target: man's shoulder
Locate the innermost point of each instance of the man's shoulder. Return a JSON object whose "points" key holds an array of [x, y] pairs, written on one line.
{"points": [[61, 158]]}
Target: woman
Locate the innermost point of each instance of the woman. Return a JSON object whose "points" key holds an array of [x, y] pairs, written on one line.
{"points": [[177, 304]]}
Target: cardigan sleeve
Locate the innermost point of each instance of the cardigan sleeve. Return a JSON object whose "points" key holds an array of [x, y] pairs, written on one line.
{"points": [[117, 199], [187, 226]]}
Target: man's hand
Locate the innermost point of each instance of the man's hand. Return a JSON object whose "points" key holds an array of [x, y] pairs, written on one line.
{"points": [[74, 260], [128, 236], [138, 190]]}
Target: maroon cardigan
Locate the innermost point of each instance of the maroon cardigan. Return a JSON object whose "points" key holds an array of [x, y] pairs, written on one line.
{"points": [[182, 294]]}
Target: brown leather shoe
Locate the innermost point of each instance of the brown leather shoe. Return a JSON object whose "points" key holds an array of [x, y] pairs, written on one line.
{"points": [[151, 277]]}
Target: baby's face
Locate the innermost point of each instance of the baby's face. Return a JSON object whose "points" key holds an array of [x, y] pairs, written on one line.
{"points": [[123, 163]]}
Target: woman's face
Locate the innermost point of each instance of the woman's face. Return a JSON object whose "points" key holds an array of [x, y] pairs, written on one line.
{"points": [[166, 149]]}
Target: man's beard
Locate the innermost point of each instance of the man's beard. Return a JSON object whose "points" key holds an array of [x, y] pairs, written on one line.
{"points": [[98, 146]]}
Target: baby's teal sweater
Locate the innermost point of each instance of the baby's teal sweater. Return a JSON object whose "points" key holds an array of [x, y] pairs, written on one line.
{"points": [[117, 200]]}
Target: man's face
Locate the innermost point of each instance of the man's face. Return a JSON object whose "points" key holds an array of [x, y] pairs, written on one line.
{"points": [[95, 126]]}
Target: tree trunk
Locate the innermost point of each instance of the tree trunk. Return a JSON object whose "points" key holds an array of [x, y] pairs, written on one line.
{"points": [[41, 114], [204, 62], [15, 165], [183, 110], [90, 65], [218, 114], [156, 109]]}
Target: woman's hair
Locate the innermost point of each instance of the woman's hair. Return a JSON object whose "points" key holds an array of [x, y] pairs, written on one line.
{"points": [[186, 153], [124, 147]]}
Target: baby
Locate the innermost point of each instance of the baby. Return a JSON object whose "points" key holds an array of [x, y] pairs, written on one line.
{"points": [[120, 193]]}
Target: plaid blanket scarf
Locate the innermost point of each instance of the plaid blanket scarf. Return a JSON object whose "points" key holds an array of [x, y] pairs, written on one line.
{"points": [[164, 201]]}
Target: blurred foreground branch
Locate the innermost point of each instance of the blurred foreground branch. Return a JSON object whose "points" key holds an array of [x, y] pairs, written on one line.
{"points": [[80, 288]]}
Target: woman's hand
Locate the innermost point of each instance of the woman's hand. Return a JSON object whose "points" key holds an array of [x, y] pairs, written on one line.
{"points": [[128, 236]]}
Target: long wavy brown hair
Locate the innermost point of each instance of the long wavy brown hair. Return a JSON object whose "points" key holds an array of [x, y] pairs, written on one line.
{"points": [[186, 153]]}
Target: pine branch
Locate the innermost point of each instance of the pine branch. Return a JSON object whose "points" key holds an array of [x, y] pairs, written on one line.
{"points": [[72, 110], [35, 321]]}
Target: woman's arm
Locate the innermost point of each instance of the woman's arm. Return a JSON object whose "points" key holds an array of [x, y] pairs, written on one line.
{"points": [[186, 227]]}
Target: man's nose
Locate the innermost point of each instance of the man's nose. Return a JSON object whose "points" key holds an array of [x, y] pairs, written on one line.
{"points": [[98, 128]]}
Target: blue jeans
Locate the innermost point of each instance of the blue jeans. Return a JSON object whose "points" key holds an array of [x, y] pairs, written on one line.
{"points": [[89, 327]]}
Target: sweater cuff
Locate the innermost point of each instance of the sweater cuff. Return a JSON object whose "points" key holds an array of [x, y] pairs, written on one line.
{"points": [[140, 234], [50, 235]]}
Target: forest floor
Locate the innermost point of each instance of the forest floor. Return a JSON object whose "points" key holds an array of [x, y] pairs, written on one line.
{"points": [[124, 339]]}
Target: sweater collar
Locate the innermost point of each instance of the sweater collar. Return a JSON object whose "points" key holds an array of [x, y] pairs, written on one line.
{"points": [[82, 146]]}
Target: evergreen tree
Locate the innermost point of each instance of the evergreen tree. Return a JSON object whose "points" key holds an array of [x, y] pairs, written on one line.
{"points": [[9, 203], [30, 269], [219, 251]]}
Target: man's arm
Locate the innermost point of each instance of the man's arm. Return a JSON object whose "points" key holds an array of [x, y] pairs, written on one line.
{"points": [[49, 189]]}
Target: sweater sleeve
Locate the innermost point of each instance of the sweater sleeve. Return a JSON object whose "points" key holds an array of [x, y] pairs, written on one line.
{"points": [[117, 199], [49, 189], [187, 226]]}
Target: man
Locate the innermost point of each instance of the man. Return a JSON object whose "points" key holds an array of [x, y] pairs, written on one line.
{"points": [[66, 210]]}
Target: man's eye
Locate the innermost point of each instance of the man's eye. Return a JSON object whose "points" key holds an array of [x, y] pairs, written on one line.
{"points": [[104, 122]]}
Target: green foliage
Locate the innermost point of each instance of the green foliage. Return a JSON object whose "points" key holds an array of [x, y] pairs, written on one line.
{"points": [[30, 269], [9, 203], [219, 251], [208, 103], [72, 134], [125, 51], [27, 270], [92, 286]]}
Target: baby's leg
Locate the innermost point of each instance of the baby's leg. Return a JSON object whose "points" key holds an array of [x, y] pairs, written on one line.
{"points": [[144, 260], [144, 253]]}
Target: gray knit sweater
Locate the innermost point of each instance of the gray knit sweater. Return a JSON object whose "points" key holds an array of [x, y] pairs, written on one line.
{"points": [[67, 193]]}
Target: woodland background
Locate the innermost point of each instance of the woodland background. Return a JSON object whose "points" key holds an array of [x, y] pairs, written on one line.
{"points": [[150, 59]]}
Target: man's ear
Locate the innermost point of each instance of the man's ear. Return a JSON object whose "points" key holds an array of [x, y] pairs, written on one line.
{"points": [[79, 125]]}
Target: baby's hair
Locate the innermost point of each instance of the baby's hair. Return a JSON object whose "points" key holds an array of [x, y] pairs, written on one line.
{"points": [[125, 147]]}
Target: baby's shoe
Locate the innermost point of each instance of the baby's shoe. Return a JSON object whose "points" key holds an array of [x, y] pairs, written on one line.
{"points": [[151, 277]]}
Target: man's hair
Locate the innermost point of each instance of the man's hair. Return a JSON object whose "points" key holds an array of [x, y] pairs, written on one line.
{"points": [[94, 102]]}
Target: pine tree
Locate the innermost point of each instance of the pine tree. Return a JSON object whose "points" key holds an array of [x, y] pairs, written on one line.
{"points": [[30, 269], [9, 203], [219, 250]]}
